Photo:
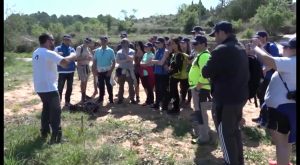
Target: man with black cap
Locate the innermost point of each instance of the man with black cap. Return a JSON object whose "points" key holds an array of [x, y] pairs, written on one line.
{"points": [[104, 64], [200, 89], [228, 71], [271, 48], [65, 74]]}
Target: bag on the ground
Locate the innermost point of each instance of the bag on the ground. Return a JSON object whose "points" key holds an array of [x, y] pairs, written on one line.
{"points": [[89, 107]]}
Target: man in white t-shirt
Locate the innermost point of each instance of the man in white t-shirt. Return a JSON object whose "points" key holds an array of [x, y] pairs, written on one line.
{"points": [[44, 65]]}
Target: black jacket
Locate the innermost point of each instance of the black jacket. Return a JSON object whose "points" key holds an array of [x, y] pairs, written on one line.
{"points": [[228, 72]]}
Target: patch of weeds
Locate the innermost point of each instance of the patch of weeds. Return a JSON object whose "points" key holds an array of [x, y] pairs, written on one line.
{"points": [[16, 107], [16, 72], [257, 135], [257, 157], [32, 102], [113, 154]]}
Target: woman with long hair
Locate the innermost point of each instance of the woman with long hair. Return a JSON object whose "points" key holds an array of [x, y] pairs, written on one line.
{"points": [[139, 52]]}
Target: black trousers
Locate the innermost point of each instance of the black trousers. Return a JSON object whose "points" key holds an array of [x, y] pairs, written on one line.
{"points": [[184, 86], [62, 78], [51, 112], [103, 80], [161, 88], [227, 119]]}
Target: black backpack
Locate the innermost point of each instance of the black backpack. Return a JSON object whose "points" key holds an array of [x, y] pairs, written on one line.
{"points": [[256, 75]]}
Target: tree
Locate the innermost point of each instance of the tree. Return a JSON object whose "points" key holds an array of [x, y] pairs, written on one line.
{"points": [[273, 15]]}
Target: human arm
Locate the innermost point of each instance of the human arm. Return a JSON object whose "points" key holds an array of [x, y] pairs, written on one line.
{"points": [[265, 57]]}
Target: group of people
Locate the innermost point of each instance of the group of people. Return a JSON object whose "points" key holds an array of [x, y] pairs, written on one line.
{"points": [[214, 80]]}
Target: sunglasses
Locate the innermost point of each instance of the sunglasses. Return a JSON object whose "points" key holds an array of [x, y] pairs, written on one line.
{"points": [[195, 43]]}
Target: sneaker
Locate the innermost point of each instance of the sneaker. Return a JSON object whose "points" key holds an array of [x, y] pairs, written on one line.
{"points": [[133, 102], [137, 99]]}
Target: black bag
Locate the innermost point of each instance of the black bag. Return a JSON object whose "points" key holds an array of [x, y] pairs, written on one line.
{"points": [[89, 107], [256, 75]]}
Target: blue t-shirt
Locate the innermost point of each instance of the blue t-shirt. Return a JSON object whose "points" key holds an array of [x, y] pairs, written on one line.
{"points": [[104, 58], [272, 49], [67, 50], [159, 69]]}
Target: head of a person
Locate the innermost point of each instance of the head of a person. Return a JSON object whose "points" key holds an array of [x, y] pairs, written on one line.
{"points": [[123, 34], [197, 30], [125, 43], [88, 42], [221, 31], [185, 45], [199, 43], [103, 40], [175, 44], [160, 42], [139, 46], [262, 36], [148, 47], [289, 47], [46, 40], [67, 39], [97, 43]]}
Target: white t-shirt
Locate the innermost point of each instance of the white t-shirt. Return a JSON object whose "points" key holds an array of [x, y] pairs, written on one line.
{"points": [[44, 65], [276, 91]]}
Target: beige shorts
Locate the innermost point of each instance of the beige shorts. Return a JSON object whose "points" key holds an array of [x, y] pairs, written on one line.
{"points": [[83, 72]]}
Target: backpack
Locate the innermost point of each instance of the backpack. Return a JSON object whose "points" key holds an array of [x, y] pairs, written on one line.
{"points": [[256, 74], [88, 107]]}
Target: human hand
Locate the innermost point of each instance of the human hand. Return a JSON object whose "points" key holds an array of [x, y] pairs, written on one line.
{"points": [[199, 86]]}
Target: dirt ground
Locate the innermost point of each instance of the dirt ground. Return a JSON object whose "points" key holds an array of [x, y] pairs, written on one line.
{"points": [[24, 101], [24, 93]]}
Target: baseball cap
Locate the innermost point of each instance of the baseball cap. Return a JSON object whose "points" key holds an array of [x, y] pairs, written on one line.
{"points": [[185, 40], [123, 34], [260, 34], [197, 29], [103, 38], [290, 44], [67, 36], [160, 40], [87, 40], [222, 26], [199, 39], [148, 44]]}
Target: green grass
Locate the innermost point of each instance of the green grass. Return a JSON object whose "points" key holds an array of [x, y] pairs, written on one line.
{"points": [[257, 135], [15, 71]]}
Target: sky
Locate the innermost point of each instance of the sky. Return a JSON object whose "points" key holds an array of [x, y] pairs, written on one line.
{"points": [[93, 8]]}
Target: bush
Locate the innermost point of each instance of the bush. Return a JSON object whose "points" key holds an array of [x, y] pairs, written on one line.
{"points": [[24, 48], [248, 33]]}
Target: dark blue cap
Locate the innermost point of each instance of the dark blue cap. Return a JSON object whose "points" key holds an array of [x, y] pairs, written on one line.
{"points": [[185, 40], [87, 40], [290, 44], [260, 34], [103, 38], [148, 44], [199, 39], [222, 26], [67, 36], [197, 29], [160, 40]]}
